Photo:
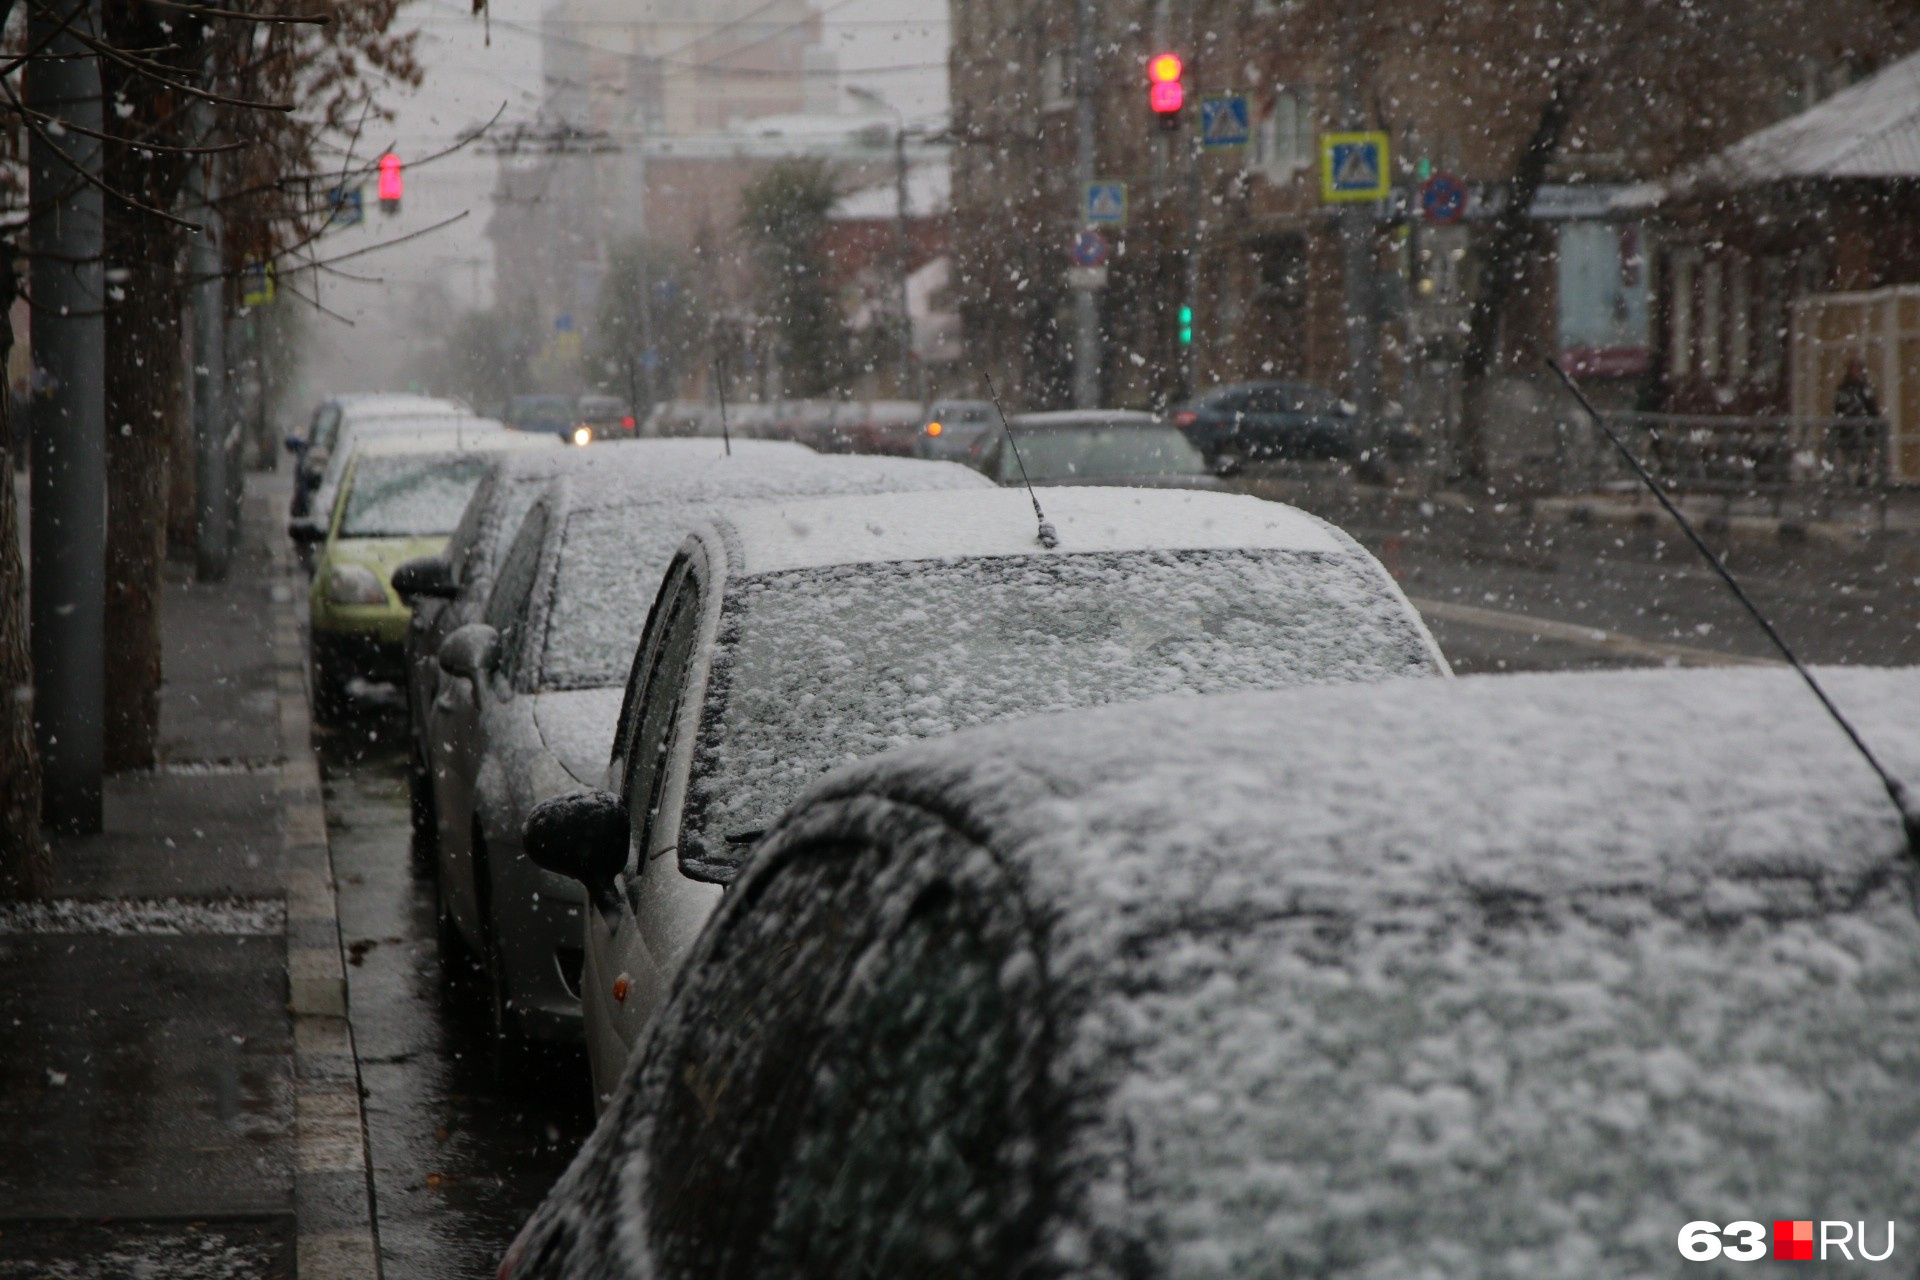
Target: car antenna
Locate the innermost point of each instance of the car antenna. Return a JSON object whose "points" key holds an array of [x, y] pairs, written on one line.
{"points": [[1896, 790], [720, 383], [1049, 536]]}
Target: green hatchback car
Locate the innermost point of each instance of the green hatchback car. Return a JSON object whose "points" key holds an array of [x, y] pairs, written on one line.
{"points": [[399, 499]]}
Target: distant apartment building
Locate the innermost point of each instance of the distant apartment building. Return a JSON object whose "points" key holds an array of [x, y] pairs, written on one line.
{"points": [[625, 78]]}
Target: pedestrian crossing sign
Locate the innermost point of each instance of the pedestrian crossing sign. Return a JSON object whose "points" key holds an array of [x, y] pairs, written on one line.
{"points": [[1105, 204], [1223, 120], [1353, 166]]}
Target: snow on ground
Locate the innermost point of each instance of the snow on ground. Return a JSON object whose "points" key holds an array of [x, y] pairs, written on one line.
{"points": [[225, 917]]}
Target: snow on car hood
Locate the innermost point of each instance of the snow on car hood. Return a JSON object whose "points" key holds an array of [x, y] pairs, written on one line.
{"points": [[577, 726], [1498, 977]]}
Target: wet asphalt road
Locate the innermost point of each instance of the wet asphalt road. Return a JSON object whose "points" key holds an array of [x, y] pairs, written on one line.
{"points": [[464, 1146]]}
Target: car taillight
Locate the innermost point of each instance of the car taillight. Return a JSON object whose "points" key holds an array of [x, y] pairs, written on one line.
{"points": [[627, 423], [934, 428], [1185, 418]]}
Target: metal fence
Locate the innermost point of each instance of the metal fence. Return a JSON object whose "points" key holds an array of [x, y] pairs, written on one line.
{"points": [[1811, 462]]}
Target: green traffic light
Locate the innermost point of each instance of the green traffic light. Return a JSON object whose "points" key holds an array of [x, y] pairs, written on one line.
{"points": [[1186, 326]]}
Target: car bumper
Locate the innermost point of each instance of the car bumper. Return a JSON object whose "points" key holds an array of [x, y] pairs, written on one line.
{"points": [[538, 931]]}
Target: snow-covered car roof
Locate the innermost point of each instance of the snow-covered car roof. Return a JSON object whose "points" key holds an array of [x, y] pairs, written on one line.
{"points": [[622, 528], [1057, 419], [699, 470], [371, 406], [778, 537], [1500, 976], [463, 435]]}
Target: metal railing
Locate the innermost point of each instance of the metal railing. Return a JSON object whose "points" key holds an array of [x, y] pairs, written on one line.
{"points": [[1814, 462]]}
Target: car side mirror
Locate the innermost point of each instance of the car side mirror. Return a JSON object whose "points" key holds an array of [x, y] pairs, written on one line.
{"points": [[582, 836], [429, 577], [471, 652], [306, 532]]}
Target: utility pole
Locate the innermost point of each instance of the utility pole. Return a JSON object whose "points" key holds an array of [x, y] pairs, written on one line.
{"points": [[1357, 257], [1086, 303], [900, 254], [204, 266], [69, 527]]}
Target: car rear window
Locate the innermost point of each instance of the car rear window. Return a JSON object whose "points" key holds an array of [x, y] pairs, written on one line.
{"points": [[819, 667], [1065, 454], [411, 495]]}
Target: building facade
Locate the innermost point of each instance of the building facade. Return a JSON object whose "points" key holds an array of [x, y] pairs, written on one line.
{"points": [[1243, 236]]}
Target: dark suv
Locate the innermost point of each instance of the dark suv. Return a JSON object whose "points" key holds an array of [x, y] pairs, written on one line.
{"points": [[1248, 420]]}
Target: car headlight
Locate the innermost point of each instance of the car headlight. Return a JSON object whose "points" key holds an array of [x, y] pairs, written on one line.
{"points": [[583, 435], [354, 584]]}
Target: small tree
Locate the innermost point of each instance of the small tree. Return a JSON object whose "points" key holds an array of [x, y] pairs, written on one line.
{"points": [[645, 336], [785, 211], [486, 357]]}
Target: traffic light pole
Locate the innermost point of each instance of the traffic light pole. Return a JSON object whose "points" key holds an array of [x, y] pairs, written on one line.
{"points": [[1357, 260], [67, 608], [1086, 303]]}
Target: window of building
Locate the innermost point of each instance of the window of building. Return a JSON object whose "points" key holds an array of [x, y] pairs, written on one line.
{"points": [[1282, 140], [1712, 318], [1680, 316], [1740, 320]]}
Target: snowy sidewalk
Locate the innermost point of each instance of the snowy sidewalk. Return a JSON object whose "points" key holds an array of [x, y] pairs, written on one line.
{"points": [[177, 1085]]}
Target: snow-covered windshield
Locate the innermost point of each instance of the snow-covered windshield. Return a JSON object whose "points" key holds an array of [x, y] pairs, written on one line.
{"points": [[1101, 452], [818, 667], [415, 495]]}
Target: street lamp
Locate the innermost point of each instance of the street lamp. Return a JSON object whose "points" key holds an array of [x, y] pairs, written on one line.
{"points": [[899, 227]]}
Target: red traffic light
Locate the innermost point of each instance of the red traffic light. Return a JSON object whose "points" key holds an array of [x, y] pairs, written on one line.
{"points": [[1165, 94], [390, 182]]}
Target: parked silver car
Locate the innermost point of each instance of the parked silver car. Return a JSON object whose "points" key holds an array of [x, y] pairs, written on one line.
{"points": [[449, 590], [534, 688], [791, 639]]}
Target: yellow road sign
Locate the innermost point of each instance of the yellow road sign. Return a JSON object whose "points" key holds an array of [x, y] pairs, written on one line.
{"points": [[1353, 166]]}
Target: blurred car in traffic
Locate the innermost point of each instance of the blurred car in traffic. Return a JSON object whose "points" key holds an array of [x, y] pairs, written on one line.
{"points": [[314, 449], [1235, 424], [791, 638], [578, 419], [1492, 977], [531, 691], [953, 427], [1094, 446], [601, 418], [399, 498]]}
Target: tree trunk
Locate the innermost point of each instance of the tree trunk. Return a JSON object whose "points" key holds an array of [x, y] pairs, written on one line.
{"points": [[1504, 263], [143, 329], [143, 392], [26, 864]]}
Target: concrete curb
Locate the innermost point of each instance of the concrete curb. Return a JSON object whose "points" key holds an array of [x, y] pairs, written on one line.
{"points": [[332, 1186]]}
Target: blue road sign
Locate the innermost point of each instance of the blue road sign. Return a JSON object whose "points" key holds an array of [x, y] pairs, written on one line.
{"points": [[1106, 204], [1089, 249], [1443, 198], [344, 207], [1223, 120]]}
